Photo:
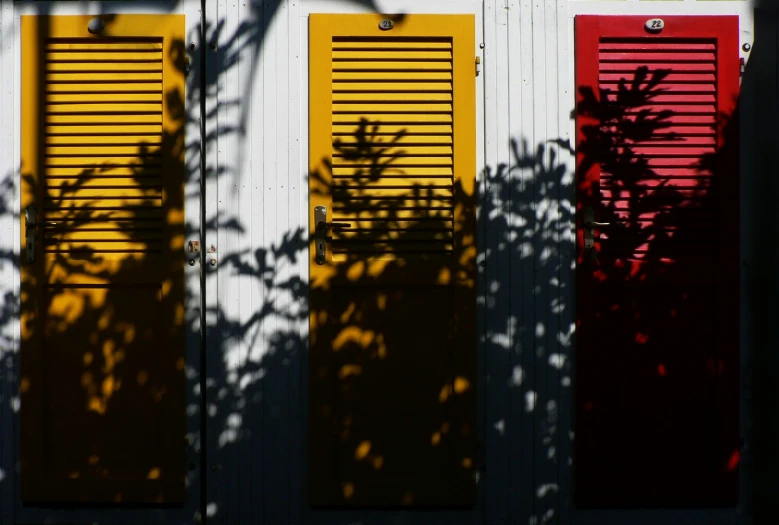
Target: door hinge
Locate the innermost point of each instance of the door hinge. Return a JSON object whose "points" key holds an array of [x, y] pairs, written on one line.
{"points": [[478, 66]]}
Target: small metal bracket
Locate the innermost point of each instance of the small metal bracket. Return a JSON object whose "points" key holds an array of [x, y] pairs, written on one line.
{"points": [[29, 232]]}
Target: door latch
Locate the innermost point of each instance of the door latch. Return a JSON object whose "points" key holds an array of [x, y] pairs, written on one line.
{"points": [[29, 232], [320, 232], [589, 235]]}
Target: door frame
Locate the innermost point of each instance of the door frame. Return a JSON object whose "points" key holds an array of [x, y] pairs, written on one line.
{"points": [[410, 517], [11, 508], [702, 516]]}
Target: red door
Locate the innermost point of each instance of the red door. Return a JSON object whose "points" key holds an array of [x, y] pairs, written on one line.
{"points": [[657, 262]]}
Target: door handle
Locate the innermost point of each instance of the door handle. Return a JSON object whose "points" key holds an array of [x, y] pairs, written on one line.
{"points": [[29, 232], [589, 236], [320, 232]]}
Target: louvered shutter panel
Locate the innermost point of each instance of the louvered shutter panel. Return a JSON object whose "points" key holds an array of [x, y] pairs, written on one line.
{"points": [[103, 134], [102, 339], [657, 364], [677, 81], [398, 195]]}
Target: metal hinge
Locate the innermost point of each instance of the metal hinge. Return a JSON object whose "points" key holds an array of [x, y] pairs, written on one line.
{"points": [[478, 66]]}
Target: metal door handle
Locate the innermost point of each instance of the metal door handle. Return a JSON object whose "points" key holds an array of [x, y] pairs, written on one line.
{"points": [[591, 224], [320, 232], [29, 232]]}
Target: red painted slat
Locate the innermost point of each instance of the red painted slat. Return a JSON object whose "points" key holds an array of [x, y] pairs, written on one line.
{"points": [[628, 76], [671, 151], [673, 172], [648, 57], [632, 67], [661, 46], [658, 140], [663, 87], [679, 110], [655, 97]]}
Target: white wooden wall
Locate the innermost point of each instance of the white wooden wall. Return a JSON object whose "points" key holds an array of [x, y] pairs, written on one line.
{"points": [[256, 218]]}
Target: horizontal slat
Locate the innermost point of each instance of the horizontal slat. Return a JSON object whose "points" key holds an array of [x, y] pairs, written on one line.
{"points": [[670, 151], [102, 67], [145, 162], [102, 45], [659, 172], [422, 246], [104, 183], [53, 227], [389, 54], [124, 235], [83, 141], [411, 214], [675, 119], [101, 171], [119, 55], [391, 97], [405, 141], [117, 77], [394, 236], [357, 202], [103, 247], [678, 109], [111, 119], [394, 173], [342, 131], [127, 129], [393, 44], [399, 150], [657, 46], [674, 140], [127, 192], [105, 88], [389, 76], [649, 56], [86, 150], [400, 87], [673, 76], [93, 214], [380, 120], [663, 87], [364, 107], [91, 98], [432, 224], [396, 163], [632, 67], [656, 97], [668, 132], [118, 108]]}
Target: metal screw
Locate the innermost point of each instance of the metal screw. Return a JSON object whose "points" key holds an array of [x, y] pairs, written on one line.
{"points": [[481, 46], [213, 262], [192, 262], [191, 46], [746, 47]]}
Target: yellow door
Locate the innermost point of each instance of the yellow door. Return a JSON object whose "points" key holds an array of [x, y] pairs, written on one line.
{"points": [[392, 258], [102, 355]]}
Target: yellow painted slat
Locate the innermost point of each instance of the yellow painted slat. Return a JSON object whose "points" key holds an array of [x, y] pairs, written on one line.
{"points": [[120, 246], [54, 173], [342, 193], [392, 97], [102, 162], [390, 54], [103, 234], [401, 151], [100, 55], [129, 192], [394, 236], [384, 129], [72, 213], [408, 183], [55, 227], [86, 150], [383, 247], [105, 108], [391, 44], [95, 140], [416, 87], [103, 183], [397, 173], [105, 119], [391, 108], [120, 67], [400, 76], [397, 162], [390, 203], [104, 77], [393, 65], [368, 223], [102, 45], [380, 119], [149, 87], [402, 141], [55, 98], [383, 214], [105, 129]]}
